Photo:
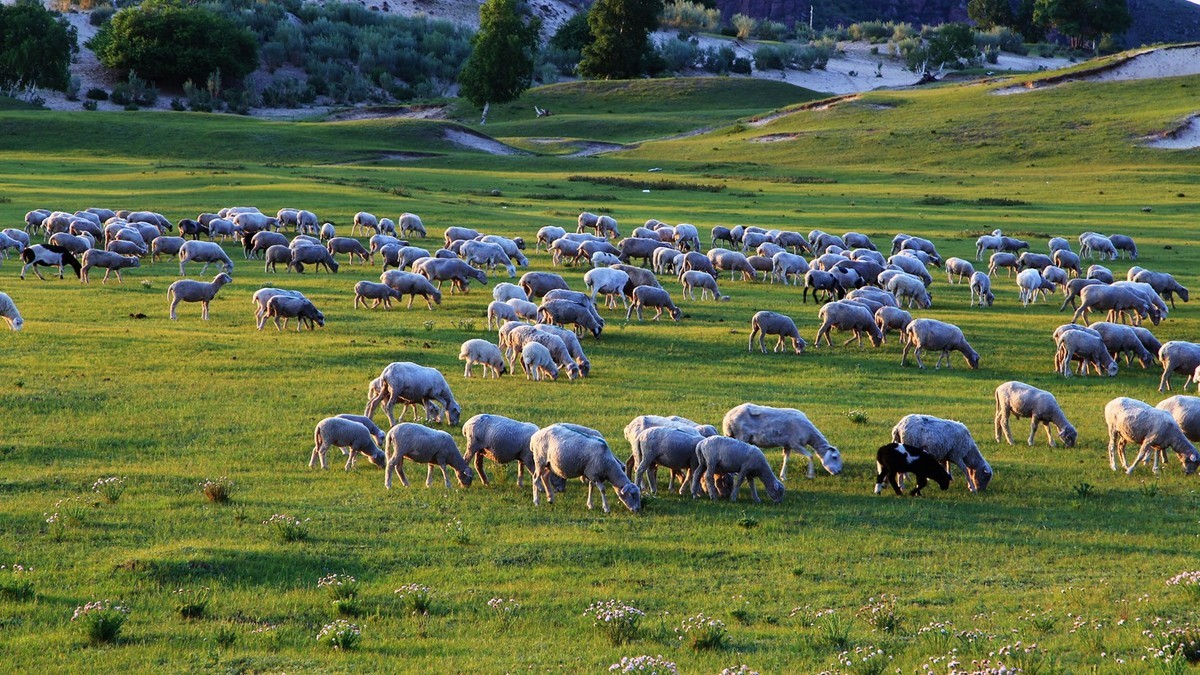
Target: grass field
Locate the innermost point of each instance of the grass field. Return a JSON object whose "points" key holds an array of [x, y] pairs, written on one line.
{"points": [[1060, 551]]}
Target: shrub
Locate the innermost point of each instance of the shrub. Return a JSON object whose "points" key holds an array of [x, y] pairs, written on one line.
{"points": [[770, 30], [191, 604], [101, 15], [218, 491], [1005, 39], [288, 93], [689, 16], [416, 598], [872, 31], [96, 94], [769, 57], [617, 621], [15, 585], [110, 488], [574, 34], [743, 24], [340, 635], [719, 61], [72, 90], [703, 632], [678, 55], [339, 586], [101, 621], [134, 91], [90, 105], [285, 528], [644, 664]]}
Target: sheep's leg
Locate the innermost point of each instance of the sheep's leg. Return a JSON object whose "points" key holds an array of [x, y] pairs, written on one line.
{"points": [[1143, 454], [904, 352], [1049, 436], [753, 490], [1113, 442], [737, 483], [589, 498], [917, 353], [204, 309], [710, 482], [603, 499], [174, 304], [445, 476], [970, 477], [787, 454], [400, 468]]}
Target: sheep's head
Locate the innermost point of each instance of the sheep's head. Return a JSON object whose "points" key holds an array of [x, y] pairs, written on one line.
{"points": [[519, 242], [831, 459], [981, 477], [631, 497], [1068, 435], [775, 491], [378, 458], [452, 412], [1190, 460], [465, 477], [333, 264], [676, 314], [1111, 368], [15, 324], [572, 371]]}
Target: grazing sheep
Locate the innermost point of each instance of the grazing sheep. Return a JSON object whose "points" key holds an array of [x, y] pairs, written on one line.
{"points": [[349, 246], [822, 282], [1186, 411], [581, 299], [1101, 273], [513, 340], [1120, 339], [168, 246], [721, 233], [124, 247], [857, 240], [525, 310], [670, 447], [724, 260], [262, 296], [1113, 299], [724, 455], [252, 244], [109, 262], [1073, 288], [1058, 244], [687, 237], [504, 291], [643, 248], [498, 313], [948, 442], [537, 284], [312, 255], [1032, 284], [412, 285], [664, 260], [1164, 284], [1155, 430], [340, 432], [410, 223], [206, 252], [608, 281], [910, 288], [414, 384], [288, 307], [1087, 347], [8, 310], [981, 289], [1091, 243], [1055, 276], [483, 353], [487, 254], [893, 460], [328, 231], [1067, 261], [1151, 343], [847, 315], [1156, 308], [501, 440], [424, 446], [19, 236], [924, 246], [931, 334], [693, 279], [767, 323], [364, 221], [958, 268], [76, 245], [786, 428], [1124, 244], [536, 362], [548, 235], [1023, 400], [380, 293], [651, 296], [569, 451], [567, 312], [561, 249], [187, 290], [1179, 357], [892, 318], [458, 272], [571, 341], [787, 265], [277, 254]]}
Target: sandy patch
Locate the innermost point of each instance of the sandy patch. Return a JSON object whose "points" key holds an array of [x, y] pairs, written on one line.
{"points": [[774, 138], [466, 139], [1154, 63], [1186, 136]]}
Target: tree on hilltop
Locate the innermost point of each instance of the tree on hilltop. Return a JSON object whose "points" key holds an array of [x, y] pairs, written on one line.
{"points": [[500, 67], [35, 47], [622, 38]]}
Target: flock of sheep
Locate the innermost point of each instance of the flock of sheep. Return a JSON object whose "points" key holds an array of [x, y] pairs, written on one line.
{"points": [[860, 291]]}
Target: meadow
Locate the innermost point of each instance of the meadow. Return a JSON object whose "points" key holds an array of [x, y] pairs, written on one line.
{"points": [[1060, 552]]}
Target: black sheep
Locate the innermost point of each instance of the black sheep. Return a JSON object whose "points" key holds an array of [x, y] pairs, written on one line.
{"points": [[897, 459]]}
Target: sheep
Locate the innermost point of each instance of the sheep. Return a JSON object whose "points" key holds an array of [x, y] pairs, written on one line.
{"points": [[1155, 430], [1073, 288], [1091, 243], [381, 293], [19, 236], [349, 246], [458, 272], [253, 222], [1067, 261], [548, 235], [867, 254], [733, 262], [724, 455], [192, 228], [1032, 284], [1156, 308], [912, 266], [824, 240], [424, 446], [252, 243], [513, 340], [124, 247], [1120, 339], [787, 265], [483, 353], [168, 246], [957, 267], [501, 440], [187, 290], [570, 450], [278, 254], [410, 223], [74, 244], [608, 281], [505, 291], [1101, 273], [412, 285], [910, 288], [206, 252], [1124, 244], [693, 279], [1110, 299], [537, 362], [604, 225], [650, 296], [891, 318], [981, 288], [564, 312], [602, 259], [537, 284], [262, 296], [787, 428], [1186, 411], [1087, 347], [563, 248], [1164, 284], [947, 441], [289, 307], [525, 310], [1180, 357], [1151, 343], [766, 323], [413, 383], [483, 253], [571, 341], [924, 246], [857, 240], [663, 260], [687, 237], [364, 221], [847, 315], [896, 459], [109, 262], [822, 282], [931, 334], [721, 233], [581, 299], [671, 447], [1023, 400], [48, 255], [8, 310], [340, 432], [500, 312]]}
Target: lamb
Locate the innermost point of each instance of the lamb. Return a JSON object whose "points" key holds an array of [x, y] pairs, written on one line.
{"points": [[412, 285], [537, 284], [571, 341], [364, 221], [1101, 273], [412, 383], [910, 288], [693, 279], [262, 296], [109, 262], [1186, 411], [1110, 299], [847, 315], [892, 318], [650, 296], [565, 312], [570, 450], [484, 253], [512, 340], [1155, 430], [602, 259], [1164, 284], [456, 271], [1091, 243], [896, 459], [1067, 261], [548, 235], [1120, 339], [608, 281], [1087, 348], [724, 455], [424, 446], [301, 309], [48, 255], [923, 334], [537, 362], [277, 254], [1124, 244], [410, 223], [822, 282], [1032, 283], [483, 353], [948, 442], [501, 440], [786, 428], [767, 323], [957, 267], [8, 310], [382, 294], [504, 291], [670, 447], [1180, 357], [340, 432], [1023, 400], [187, 290], [981, 288], [499, 313], [525, 310]]}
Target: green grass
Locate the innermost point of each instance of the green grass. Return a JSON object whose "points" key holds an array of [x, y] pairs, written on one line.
{"points": [[91, 392]]}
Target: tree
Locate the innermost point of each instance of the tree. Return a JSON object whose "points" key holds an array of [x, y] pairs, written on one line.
{"points": [[574, 34], [35, 47], [1083, 20], [622, 46], [500, 66], [951, 45], [990, 13], [166, 40]]}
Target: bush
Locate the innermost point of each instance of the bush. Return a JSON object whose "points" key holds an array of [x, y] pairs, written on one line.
{"points": [[134, 91], [770, 30], [101, 621], [574, 34], [743, 25], [689, 16], [89, 105], [769, 57], [678, 55], [35, 47], [872, 31], [1003, 39], [741, 66], [815, 55], [96, 94], [288, 93], [101, 15]]}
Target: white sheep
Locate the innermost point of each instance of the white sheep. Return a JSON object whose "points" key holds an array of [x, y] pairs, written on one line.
{"points": [[847, 315], [498, 313], [1023, 400], [1178, 356], [424, 446], [652, 296], [340, 432], [949, 442], [501, 440], [1032, 284], [414, 384], [669, 447], [693, 279], [910, 288], [107, 261], [569, 451], [1087, 347], [1155, 430], [724, 455], [923, 334], [187, 290], [412, 285], [608, 281], [892, 318], [206, 252], [505, 291], [382, 294], [766, 323], [483, 353], [1186, 411], [981, 288], [786, 428], [8, 310], [958, 268], [536, 361]]}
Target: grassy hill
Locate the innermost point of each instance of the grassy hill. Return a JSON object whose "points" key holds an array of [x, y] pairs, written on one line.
{"points": [[1060, 551]]}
